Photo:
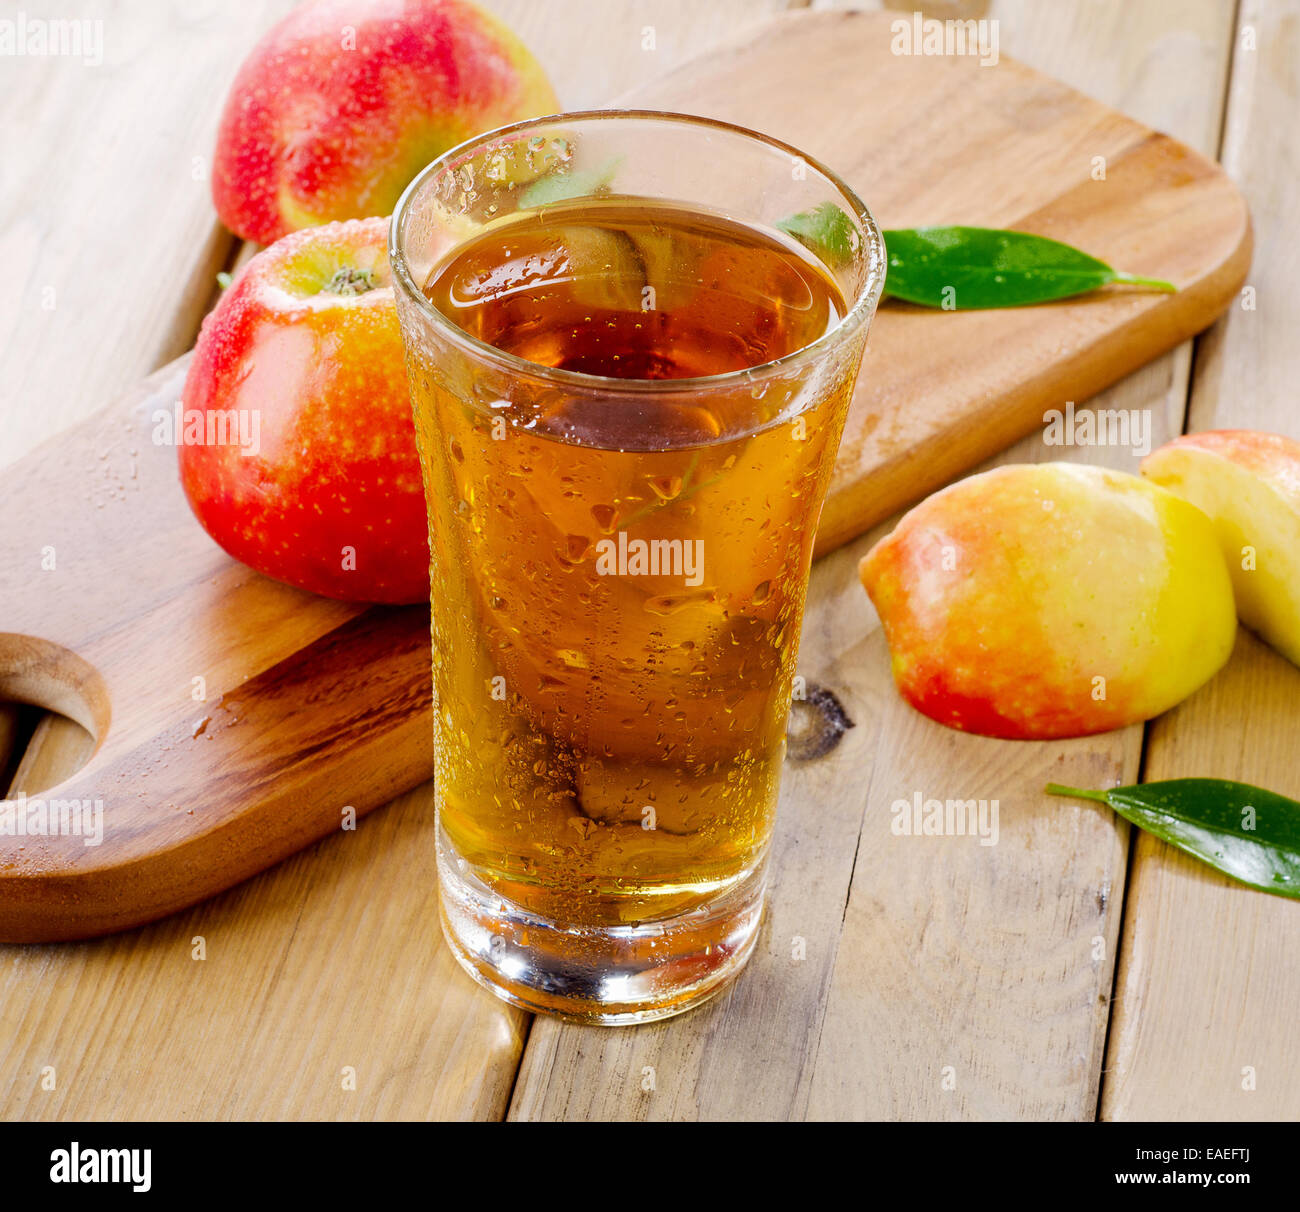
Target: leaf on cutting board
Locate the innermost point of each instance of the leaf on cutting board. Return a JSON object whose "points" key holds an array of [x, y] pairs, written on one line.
{"points": [[973, 268]]}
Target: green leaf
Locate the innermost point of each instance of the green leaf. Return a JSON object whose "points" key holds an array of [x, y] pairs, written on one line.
{"points": [[1246, 832], [967, 268], [561, 186], [964, 268], [825, 230]]}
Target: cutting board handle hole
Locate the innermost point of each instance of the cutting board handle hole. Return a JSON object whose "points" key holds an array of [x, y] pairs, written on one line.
{"points": [[47, 675]]}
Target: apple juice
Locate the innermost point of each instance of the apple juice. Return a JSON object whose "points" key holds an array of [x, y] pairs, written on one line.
{"points": [[619, 585]]}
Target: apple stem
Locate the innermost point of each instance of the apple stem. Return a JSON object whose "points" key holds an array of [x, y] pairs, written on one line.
{"points": [[1077, 793], [350, 281]]}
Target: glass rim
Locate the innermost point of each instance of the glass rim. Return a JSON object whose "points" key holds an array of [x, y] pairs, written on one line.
{"points": [[859, 309]]}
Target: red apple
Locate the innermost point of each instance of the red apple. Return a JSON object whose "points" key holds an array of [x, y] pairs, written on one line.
{"points": [[344, 101], [297, 448]]}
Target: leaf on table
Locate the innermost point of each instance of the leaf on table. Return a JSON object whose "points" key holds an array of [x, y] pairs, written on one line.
{"points": [[1246, 832]]}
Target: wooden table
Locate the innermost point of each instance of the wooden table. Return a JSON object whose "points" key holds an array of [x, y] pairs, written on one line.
{"points": [[1074, 971]]}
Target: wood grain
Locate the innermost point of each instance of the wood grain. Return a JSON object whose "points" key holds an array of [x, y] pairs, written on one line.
{"points": [[924, 953], [1203, 1025]]}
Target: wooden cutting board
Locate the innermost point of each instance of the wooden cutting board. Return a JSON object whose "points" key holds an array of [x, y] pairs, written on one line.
{"points": [[238, 720]]}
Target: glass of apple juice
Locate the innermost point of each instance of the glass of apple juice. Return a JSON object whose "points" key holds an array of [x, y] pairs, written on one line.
{"points": [[629, 381]]}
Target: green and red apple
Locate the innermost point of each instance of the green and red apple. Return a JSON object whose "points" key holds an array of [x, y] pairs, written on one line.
{"points": [[314, 477], [344, 101], [1248, 483], [1051, 601]]}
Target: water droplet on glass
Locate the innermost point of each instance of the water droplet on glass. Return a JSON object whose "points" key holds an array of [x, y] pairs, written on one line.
{"points": [[606, 517], [574, 548], [665, 487]]}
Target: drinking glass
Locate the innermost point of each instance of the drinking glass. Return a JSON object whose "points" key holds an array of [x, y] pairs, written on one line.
{"points": [[620, 560]]}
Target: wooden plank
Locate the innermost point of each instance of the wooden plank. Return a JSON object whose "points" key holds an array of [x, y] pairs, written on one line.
{"points": [[1208, 978], [595, 50], [923, 953], [105, 220], [335, 959]]}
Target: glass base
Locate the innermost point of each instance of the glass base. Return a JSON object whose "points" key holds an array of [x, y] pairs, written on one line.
{"points": [[606, 975]]}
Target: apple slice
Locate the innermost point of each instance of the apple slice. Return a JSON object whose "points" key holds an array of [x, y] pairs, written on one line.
{"points": [[1249, 485]]}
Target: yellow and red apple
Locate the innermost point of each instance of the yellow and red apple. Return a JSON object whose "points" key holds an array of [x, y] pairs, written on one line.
{"points": [[298, 449], [1051, 601], [1248, 483], [344, 101]]}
